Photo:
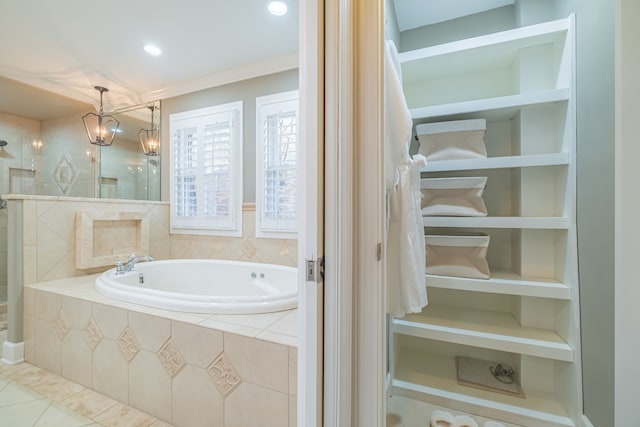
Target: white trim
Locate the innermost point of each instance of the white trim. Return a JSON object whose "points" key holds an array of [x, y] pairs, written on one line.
{"points": [[339, 207], [369, 288], [12, 353], [310, 214]]}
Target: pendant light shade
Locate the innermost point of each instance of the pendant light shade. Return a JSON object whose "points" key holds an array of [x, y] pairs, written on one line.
{"points": [[101, 129], [150, 138]]}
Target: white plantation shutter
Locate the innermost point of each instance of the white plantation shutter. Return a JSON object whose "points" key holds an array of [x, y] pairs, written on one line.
{"points": [[276, 164], [206, 170]]}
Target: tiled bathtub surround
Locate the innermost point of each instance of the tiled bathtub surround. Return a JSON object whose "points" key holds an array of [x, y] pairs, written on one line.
{"points": [[49, 237], [186, 369]]}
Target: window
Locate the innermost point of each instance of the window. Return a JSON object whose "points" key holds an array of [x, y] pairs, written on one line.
{"points": [[276, 164], [206, 170]]}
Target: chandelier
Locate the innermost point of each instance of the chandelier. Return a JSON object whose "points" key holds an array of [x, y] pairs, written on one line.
{"points": [[150, 138], [101, 129]]}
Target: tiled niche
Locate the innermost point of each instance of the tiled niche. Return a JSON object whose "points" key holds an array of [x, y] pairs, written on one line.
{"points": [[49, 244]]}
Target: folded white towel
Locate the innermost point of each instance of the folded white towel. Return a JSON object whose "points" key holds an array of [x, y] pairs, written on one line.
{"points": [[465, 421], [442, 419]]}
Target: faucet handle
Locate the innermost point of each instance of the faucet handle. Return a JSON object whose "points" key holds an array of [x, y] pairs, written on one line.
{"points": [[131, 257], [119, 268]]}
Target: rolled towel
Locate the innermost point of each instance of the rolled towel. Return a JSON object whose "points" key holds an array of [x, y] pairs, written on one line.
{"points": [[442, 419], [465, 421]]}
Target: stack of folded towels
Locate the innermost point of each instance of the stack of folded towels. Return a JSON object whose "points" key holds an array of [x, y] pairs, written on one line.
{"points": [[445, 419]]}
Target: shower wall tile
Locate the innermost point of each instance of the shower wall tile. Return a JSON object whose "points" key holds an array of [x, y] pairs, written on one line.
{"points": [[245, 248], [49, 238]]}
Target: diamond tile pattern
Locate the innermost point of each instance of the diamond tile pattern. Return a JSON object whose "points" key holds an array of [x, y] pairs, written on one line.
{"points": [[65, 174], [92, 333], [128, 344], [61, 325], [171, 358], [224, 375]]}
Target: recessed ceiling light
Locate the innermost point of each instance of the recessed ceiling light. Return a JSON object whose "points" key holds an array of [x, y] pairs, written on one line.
{"points": [[277, 7], [152, 50]]}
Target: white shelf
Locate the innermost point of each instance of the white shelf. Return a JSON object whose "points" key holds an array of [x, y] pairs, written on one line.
{"points": [[498, 49], [501, 107], [432, 378], [504, 162], [503, 282], [544, 223], [498, 78], [486, 329]]}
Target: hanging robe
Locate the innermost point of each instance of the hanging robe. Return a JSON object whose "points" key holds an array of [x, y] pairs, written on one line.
{"points": [[406, 290]]}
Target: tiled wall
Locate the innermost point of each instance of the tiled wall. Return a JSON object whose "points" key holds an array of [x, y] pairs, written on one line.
{"points": [[186, 374], [49, 237]]}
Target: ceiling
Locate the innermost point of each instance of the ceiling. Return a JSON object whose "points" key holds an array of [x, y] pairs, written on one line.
{"points": [[67, 47]]}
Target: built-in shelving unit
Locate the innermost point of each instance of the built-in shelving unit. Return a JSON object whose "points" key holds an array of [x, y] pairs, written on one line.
{"points": [[522, 82]]}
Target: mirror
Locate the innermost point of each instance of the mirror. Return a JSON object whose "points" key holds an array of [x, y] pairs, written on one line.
{"points": [[125, 171], [47, 152]]}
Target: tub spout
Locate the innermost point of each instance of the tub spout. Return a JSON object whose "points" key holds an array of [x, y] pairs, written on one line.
{"points": [[131, 262]]}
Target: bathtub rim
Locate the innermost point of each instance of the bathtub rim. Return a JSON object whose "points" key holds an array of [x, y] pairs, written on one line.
{"points": [[106, 285]]}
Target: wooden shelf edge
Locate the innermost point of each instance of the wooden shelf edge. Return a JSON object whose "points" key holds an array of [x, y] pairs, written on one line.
{"points": [[490, 104], [530, 31], [499, 285], [505, 162], [485, 407], [521, 345], [531, 222]]}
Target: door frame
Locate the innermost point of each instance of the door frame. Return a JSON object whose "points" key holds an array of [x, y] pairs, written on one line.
{"points": [[355, 330], [311, 213]]}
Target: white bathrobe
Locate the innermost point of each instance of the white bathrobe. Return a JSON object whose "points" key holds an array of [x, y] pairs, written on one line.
{"points": [[406, 290]]}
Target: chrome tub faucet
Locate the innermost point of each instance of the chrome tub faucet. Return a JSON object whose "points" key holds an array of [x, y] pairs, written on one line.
{"points": [[132, 260]]}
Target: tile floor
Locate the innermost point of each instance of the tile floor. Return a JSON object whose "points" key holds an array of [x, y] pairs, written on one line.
{"points": [[30, 397]]}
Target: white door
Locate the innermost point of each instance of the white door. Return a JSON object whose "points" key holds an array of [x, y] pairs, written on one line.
{"points": [[310, 199]]}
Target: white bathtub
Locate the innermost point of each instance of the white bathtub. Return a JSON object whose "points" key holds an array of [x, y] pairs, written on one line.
{"points": [[204, 286]]}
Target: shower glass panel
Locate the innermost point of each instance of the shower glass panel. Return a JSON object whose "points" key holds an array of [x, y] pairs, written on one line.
{"points": [[52, 157]]}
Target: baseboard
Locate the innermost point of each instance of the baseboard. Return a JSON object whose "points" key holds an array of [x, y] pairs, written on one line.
{"points": [[12, 353]]}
